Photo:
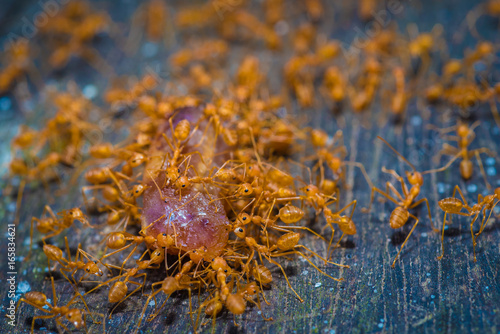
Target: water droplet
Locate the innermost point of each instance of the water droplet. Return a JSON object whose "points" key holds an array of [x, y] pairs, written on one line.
{"points": [[416, 121], [149, 49], [305, 272], [380, 325], [5, 103], [89, 91], [432, 296], [423, 235], [491, 171], [317, 285], [489, 161], [472, 188], [440, 187]]}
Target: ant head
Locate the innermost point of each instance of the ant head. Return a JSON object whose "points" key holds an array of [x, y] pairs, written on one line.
{"points": [[310, 190], [244, 218], [219, 263], [92, 268], [319, 138], [463, 130], [415, 178], [252, 288], [165, 240], [245, 189], [182, 182], [138, 189]]}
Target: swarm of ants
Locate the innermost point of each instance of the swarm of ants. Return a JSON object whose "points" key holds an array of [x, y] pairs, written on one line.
{"points": [[216, 185]]}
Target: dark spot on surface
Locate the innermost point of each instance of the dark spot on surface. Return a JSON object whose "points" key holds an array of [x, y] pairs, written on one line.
{"points": [[235, 330], [452, 232], [398, 237], [40, 324], [119, 308], [205, 221], [349, 244]]}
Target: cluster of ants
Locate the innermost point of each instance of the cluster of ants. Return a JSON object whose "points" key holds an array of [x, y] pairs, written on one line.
{"points": [[206, 183]]}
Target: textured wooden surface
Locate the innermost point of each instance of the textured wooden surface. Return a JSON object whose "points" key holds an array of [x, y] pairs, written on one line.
{"points": [[421, 294]]}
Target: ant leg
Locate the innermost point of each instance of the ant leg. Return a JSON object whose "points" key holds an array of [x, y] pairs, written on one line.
{"points": [[442, 237], [285, 229], [338, 242], [428, 209], [494, 111], [481, 168], [78, 294], [375, 189], [337, 264], [152, 295], [404, 243], [286, 277], [59, 323], [457, 188], [389, 186], [472, 234], [353, 204], [445, 167], [258, 305], [363, 171], [484, 225]]}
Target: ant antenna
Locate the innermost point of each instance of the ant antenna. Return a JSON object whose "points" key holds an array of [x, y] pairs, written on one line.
{"points": [[399, 154]]}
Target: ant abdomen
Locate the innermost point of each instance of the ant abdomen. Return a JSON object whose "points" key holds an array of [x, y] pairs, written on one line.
{"points": [[466, 169], [451, 205], [399, 217]]}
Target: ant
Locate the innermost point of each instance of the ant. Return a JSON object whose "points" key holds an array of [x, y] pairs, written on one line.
{"points": [[52, 223], [453, 205], [399, 217], [54, 253], [464, 137], [39, 301]]}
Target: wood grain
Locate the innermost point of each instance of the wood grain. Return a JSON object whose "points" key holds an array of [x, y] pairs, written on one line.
{"points": [[421, 294]]}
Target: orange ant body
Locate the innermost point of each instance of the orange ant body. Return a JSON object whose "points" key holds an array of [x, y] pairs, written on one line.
{"points": [[52, 225], [39, 301], [54, 253], [464, 137], [400, 215], [454, 206]]}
